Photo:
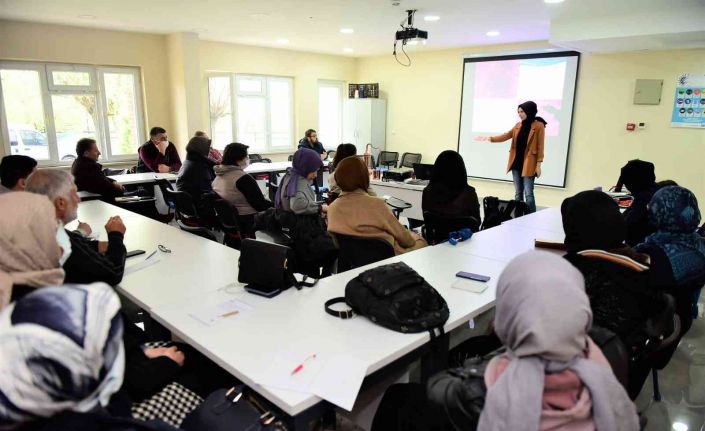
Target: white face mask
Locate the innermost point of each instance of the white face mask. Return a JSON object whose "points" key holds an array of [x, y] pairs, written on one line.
{"points": [[62, 238]]}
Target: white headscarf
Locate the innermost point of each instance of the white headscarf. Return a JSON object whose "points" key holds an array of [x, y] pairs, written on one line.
{"points": [[61, 349], [542, 317]]}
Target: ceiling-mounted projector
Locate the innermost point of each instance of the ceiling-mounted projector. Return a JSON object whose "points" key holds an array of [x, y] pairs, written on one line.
{"points": [[408, 35], [408, 32]]}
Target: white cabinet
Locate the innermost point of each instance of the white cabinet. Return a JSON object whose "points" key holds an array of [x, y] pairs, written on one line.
{"points": [[364, 123]]}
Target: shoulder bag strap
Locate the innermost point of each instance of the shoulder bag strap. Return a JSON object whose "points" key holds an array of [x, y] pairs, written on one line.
{"points": [[344, 314]]}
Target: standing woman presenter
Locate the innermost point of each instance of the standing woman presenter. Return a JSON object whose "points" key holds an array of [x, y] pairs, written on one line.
{"points": [[526, 152]]}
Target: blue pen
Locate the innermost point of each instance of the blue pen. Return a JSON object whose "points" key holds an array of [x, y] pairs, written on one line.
{"points": [[151, 254]]}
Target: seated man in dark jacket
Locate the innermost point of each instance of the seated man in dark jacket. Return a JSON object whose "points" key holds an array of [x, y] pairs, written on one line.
{"points": [[88, 173], [196, 175], [89, 260], [158, 154]]}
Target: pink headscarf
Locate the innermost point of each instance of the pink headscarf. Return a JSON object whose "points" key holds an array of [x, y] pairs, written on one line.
{"points": [[29, 253]]}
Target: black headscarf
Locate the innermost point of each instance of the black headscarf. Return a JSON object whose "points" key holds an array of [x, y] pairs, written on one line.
{"points": [[638, 175], [449, 176], [591, 220], [530, 109]]}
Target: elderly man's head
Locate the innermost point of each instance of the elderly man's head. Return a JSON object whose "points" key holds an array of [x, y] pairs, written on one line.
{"points": [[59, 187]]}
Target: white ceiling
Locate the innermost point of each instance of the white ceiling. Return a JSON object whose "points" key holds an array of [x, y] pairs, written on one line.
{"points": [[313, 25]]}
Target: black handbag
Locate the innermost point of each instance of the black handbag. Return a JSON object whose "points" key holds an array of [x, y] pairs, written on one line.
{"points": [[396, 297], [267, 267], [232, 409]]}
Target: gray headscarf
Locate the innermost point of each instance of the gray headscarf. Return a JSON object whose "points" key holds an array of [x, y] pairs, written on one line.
{"points": [[542, 317]]}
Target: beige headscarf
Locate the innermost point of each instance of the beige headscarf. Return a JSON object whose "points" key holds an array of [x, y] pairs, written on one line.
{"points": [[29, 253]]}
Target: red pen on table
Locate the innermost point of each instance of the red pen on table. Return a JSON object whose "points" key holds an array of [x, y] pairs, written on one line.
{"points": [[301, 365]]}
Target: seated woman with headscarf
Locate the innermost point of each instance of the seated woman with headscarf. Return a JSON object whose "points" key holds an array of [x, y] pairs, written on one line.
{"points": [[640, 178], [677, 252], [356, 213], [295, 194], [551, 375], [30, 260], [623, 296], [63, 360], [196, 175], [448, 191], [344, 151], [298, 211]]}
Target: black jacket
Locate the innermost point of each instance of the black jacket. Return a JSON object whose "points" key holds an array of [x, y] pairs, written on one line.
{"points": [[465, 203], [622, 299], [317, 147], [89, 177], [87, 265], [637, 217], [196, 176]]}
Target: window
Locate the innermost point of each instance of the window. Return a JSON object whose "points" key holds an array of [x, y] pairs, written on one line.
{"points": [[47, 108], [263, 112], [330, 113]]}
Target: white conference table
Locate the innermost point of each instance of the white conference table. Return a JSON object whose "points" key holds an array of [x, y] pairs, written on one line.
{"points": [[142, 178], [547, 219], [266, 168], [200, 273], [195, 265], [151, 177], [407, 192], [295, 323]]}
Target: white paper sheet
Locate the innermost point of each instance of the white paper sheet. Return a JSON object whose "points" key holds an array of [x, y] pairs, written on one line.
{"points": [[335, 378], [141, 265], [213, 314]]}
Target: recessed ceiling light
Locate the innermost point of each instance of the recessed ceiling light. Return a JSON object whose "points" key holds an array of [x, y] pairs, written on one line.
{"points": [[347, 30], [282, 41], [549, 49], [431, 18], [492, 33], [87, 16], [680, 426], [553, 1], [348, 50]]}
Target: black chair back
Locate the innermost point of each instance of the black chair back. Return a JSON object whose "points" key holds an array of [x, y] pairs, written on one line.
{"points": [[358, 251], [388, 159], [197, 230], [438, 226], [408, 160], [227, 215], [185, 210]]}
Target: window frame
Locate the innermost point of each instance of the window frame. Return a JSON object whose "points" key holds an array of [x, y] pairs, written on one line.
{"points": [[48, 89], [264, 94], [340, 85]]}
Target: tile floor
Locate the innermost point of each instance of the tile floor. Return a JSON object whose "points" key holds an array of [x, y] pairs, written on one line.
{"points": [[682, 384]]}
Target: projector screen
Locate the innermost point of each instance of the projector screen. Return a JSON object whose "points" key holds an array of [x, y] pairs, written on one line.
{"points": [[493, 87]]}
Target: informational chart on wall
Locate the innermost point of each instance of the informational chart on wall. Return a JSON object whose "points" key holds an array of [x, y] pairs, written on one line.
{"points": [[689, 101], [493, 87]]}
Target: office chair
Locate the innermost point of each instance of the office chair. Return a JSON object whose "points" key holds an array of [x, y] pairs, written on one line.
{"points": [[355, 251], [227, 218], [408, 160], [186, 215], [388, 159], [437, 226]]}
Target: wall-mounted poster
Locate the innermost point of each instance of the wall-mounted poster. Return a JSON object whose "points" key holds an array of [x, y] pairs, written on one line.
{"points": [[689, 101]]}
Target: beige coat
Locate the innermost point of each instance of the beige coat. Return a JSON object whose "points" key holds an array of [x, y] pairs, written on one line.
{"points": [[534, 147], [359, 214]]}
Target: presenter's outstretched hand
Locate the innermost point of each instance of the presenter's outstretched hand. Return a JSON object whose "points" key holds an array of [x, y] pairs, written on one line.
{"points": [[538, 170], [482, 138]]}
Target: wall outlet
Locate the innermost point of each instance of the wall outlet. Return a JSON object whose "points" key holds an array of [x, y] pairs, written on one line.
{"points": [[642, 125]]}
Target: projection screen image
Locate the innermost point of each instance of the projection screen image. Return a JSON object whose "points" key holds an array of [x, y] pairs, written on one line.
{"points": [[493, 87]]}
